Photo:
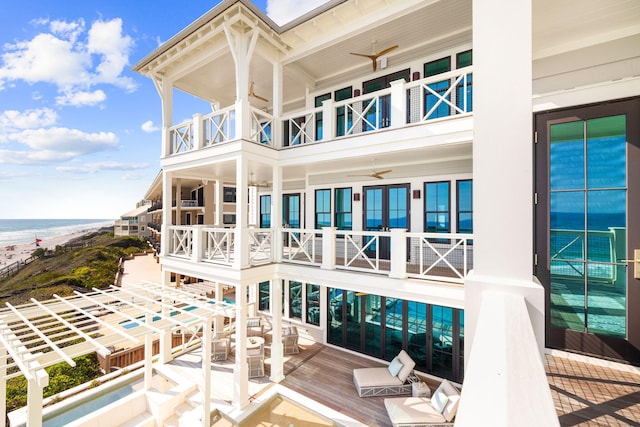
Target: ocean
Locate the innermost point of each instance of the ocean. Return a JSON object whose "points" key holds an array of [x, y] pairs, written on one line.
{"points": [[17, 231]]}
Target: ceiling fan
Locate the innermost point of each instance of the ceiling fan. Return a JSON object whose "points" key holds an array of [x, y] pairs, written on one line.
{"points": [[375, 174], [262, 184], [253, 94], [374, 57]]}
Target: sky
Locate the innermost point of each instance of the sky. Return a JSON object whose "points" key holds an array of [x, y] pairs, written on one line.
{"points": [[79, 130]]}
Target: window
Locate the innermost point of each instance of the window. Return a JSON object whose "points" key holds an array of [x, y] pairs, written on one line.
{"points": [[437, 207], [323, 208], [318, 103], [434, 107], [263, 295], [343, 121], [295, 300], [228, 218], [265, 211], [464, 59], [313, 304], [465, 206], [229, 194], [343, 208]]}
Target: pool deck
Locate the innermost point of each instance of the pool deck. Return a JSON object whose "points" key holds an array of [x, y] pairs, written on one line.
{"points": [[586, 392]]}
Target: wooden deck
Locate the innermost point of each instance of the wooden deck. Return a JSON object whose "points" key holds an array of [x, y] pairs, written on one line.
{"points": [[583, 394]]}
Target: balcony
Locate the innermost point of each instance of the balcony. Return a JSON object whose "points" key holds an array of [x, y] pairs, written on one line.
{"points": [[403, 104], [446, 257]]}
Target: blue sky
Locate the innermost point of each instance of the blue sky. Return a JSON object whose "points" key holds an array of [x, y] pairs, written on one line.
{"points": [[79, 131]]}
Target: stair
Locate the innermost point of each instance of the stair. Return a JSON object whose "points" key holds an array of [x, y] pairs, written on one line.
{"points": [[144, 419], [186, 414]]}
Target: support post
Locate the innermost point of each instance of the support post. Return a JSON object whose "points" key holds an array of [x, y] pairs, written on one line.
{"points": [[241, 369], [398, 253], [277, 357]]}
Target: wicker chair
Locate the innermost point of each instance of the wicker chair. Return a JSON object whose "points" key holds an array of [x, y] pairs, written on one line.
{"points": [[219, 349], [290, 340]]}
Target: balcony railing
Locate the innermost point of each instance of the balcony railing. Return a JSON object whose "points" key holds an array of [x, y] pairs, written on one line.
{"points": [[443, 95], [444, 257]]}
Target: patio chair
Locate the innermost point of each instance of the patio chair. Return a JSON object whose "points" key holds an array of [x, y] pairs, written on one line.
{"points": [[387, 380], [219, 349], [439, 410], [255, 328], [256, 365], [290, 340]]}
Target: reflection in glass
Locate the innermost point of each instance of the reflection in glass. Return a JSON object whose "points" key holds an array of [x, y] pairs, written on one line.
{"points": [[353, 321], [372, 327], [393, 327], [295, 300], [588, 213], [263, 295], [313, 304]]}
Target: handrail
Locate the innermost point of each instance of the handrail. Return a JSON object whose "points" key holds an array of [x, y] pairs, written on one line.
{"points": [[220, 126]]}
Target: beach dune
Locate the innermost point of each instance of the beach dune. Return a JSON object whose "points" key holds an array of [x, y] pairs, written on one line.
{"points": [[10, 254]]}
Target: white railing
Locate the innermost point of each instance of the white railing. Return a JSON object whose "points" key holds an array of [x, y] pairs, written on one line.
{"points": [[182, 137], [260, 246], [440, 256], [218, 245], [451, 90], [434, 97], [446, 257], [261, 127], [302, 246], [180, 241], [220, 126], [300, 128], [364, 113], [361, 251]]}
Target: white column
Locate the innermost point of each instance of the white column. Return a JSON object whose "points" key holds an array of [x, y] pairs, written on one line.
{"points": [[198, 131], [398, 104], [207, 336], [276, 212], [328, 120], [166, 95], [241, 369], [35, 386], [398, 253], [219, 197], [167, 195], [241, 236], [329, 248], [178, 197], [503, 223], [275, 302], [148, 354], [278, 88]]}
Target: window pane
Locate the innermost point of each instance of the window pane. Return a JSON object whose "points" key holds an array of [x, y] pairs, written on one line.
{"points": [[334, 317], [313, 304], [295, 300], [442, 345], [417, 333], [353, 319], [606, 152], [343, 208], [372, 326], [323, 208], [263, 295], [393, 327], [464, 59], [566, 153]]}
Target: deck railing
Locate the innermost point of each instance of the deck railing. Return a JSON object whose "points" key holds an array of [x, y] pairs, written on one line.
{"points": [[403, 104], [446, 257]]}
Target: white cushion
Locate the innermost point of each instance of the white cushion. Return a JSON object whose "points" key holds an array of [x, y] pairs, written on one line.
{"points": [[412, 411], [394, 367], [439, 400], [407, 365]]}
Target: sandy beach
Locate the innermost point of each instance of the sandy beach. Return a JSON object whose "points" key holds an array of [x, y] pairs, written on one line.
{"points": [[10, 254]]}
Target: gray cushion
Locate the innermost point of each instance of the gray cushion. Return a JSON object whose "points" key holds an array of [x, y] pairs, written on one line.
{"points": [[394, 367]]}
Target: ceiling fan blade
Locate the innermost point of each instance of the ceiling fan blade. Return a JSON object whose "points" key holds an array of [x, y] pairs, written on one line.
{"points": [[260, 98], [363, 54], [387, 50], [382, 172]]}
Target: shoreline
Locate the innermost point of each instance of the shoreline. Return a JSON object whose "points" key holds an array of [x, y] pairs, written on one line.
{"points": [[22, 251]]}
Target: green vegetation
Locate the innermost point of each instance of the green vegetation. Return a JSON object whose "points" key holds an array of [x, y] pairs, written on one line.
{"points": [[90, 261], [85, 263]]}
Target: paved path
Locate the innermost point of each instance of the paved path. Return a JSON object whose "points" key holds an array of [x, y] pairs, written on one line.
{"points": [[142, 268]]}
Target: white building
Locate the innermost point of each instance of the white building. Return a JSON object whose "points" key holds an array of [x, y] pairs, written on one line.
{"points": [[134, 222], [462, 173]]}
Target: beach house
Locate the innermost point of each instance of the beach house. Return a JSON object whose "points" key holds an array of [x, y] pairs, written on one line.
{"points": [[456, 179]]}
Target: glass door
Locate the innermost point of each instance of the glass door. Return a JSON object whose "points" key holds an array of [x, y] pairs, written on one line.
{"points": [[588, 171], [386, 207]]}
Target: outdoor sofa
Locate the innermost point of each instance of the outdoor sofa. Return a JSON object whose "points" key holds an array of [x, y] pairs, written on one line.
{"points": [[387, 380], [438, 410]]}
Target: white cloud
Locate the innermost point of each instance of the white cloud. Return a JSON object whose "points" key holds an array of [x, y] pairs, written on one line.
{"points": [[81, 98], [12, 120], [55, 144], [283, 11], [149, 127], [132, 177], [71, 58], [100, 166]]}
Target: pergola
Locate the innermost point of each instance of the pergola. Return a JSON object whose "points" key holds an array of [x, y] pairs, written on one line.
{"points": [[38, 334]]}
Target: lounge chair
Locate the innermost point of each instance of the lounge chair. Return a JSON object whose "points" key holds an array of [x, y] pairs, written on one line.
{"points": [[437, 411], [385, 381], [290, 340], [255, 328]]}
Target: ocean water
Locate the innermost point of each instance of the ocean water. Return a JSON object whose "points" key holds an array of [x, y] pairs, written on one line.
{"points": [[16, 231]]}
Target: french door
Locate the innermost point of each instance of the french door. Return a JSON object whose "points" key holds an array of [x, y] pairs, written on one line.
{"points": [[588, 227], [291, 210], [386, 207]]}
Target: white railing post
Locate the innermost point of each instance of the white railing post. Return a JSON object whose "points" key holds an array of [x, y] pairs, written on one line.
{"points": [[398, 253], [328, 121], [243, 119], [398, 104], [329, 248], [166, 142], [198, 132], [197, 243]]}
